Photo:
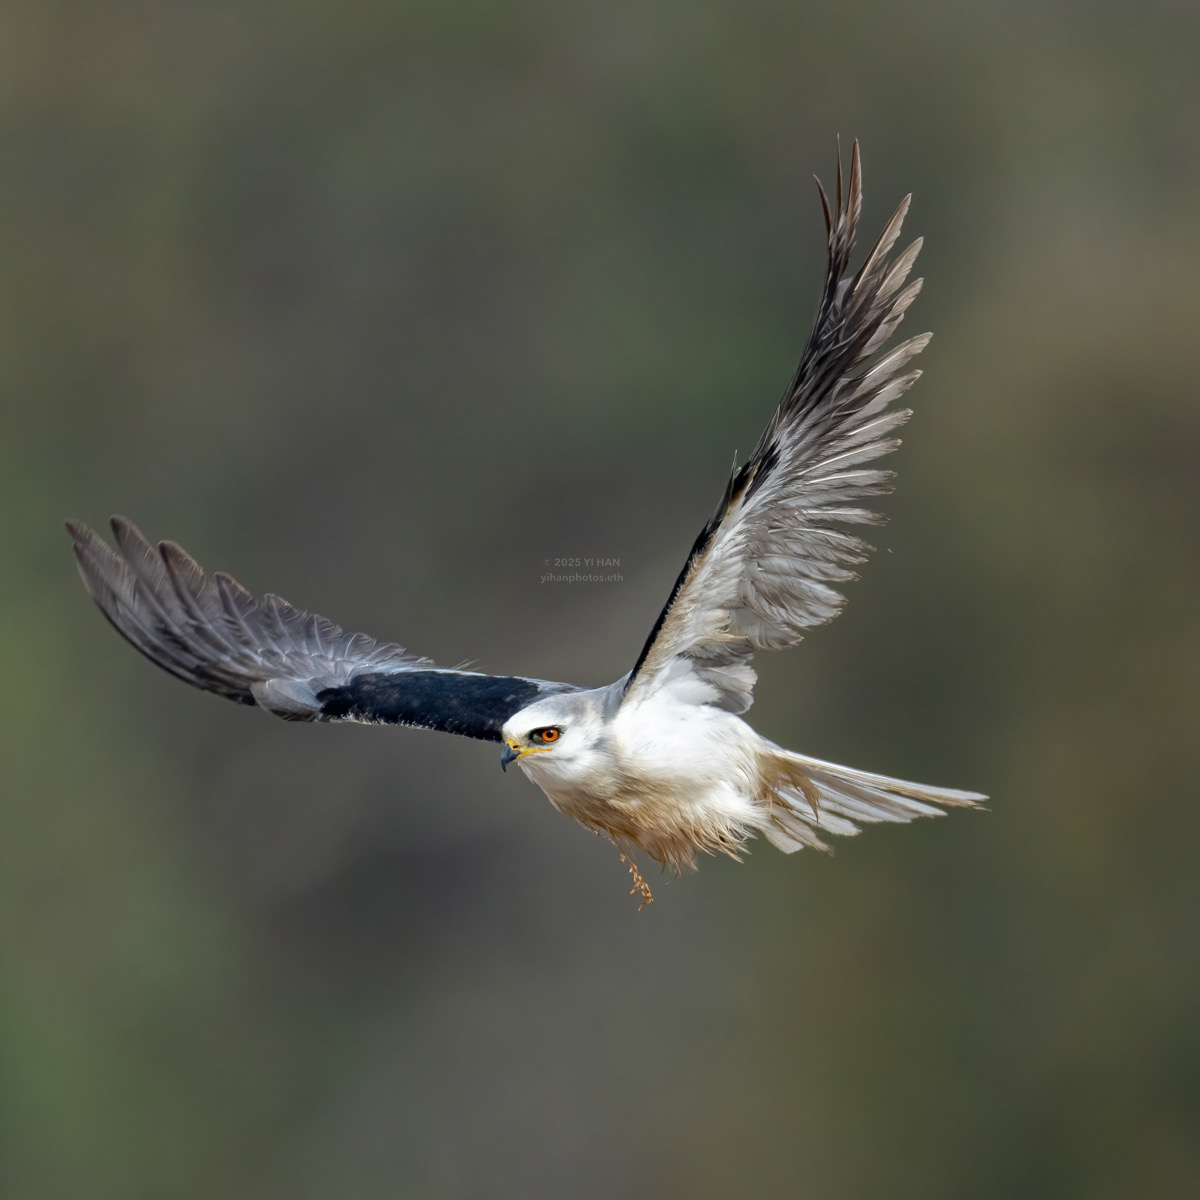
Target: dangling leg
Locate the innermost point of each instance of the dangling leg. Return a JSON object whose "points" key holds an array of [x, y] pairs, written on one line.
{"points": [[639, 884]]}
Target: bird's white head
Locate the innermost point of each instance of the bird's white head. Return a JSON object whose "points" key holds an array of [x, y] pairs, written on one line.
{"points": [[557, 735]]}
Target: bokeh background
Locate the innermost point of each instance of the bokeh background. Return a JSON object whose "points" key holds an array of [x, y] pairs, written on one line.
{"points": [[379, 306]]}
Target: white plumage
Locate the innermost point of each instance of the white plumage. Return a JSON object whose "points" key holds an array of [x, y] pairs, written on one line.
{"points": [[671, 773]]}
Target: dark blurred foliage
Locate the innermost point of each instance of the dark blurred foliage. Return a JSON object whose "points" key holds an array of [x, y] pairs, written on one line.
{"points": [[378, 306]]}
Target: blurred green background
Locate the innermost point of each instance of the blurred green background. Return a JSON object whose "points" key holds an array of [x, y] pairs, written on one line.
{"points": [[378, 306]]}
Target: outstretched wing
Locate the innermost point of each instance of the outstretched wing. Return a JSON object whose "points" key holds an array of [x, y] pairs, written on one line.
{"points": [[213, 634], [761, 571]]}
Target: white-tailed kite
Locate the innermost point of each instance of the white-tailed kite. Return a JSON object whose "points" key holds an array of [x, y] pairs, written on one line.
{"points": [[660, 760]]}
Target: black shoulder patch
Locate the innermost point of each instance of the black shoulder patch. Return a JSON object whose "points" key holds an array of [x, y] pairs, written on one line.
{"points": [[459, 702]]}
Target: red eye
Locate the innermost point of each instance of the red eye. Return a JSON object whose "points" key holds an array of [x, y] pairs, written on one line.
{"points": [[548, 735]]}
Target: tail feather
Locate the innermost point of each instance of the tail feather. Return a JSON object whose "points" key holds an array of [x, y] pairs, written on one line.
{"points": [[811, 797]]}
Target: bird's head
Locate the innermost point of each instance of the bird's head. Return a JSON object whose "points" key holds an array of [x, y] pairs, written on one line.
{"points": [[554, 733]]}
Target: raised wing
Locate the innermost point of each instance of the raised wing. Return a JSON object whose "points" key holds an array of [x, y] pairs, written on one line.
{"points": [[761, 571], [213, 634]]}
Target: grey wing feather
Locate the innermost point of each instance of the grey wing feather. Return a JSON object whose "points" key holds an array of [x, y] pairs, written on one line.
{"points": [[213, 634], [763, 569]]}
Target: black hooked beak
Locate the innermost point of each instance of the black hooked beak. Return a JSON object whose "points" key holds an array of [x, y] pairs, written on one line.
{"points": [[507, 755]]}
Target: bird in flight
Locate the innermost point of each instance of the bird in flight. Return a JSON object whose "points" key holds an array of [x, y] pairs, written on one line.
{"points": [[660, 761]]}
